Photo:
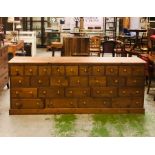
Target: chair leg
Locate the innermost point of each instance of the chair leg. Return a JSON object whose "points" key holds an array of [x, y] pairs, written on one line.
{"points": [[149, 84], [8, 85]]}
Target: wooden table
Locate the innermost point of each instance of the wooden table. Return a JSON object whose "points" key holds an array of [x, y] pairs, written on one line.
{"points": [[12, 48]]}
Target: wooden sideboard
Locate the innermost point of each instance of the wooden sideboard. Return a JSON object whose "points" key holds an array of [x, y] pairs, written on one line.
{"points": [[75, 45], [76, 85], [4, 67]]}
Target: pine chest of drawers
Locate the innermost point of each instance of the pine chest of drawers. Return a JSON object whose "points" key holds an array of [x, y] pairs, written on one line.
{"points": [[76, 85]]}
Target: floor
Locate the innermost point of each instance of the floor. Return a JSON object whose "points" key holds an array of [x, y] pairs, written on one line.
{"points": [[76, 125]]}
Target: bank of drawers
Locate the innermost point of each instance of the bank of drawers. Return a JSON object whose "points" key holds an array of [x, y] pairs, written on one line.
{"points": [[76, 86]]}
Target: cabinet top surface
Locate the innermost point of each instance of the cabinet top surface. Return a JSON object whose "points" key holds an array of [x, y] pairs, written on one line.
{"points": [[77, 60]]}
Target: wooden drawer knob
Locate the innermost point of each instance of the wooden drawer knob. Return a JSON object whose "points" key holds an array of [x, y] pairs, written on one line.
{"points": [[59, 81], [39, 81], [137, 102], [71, 103], [124, 70], [111, 70], [110, 91], [71, 70], [18, 105], [38, 103], [104, 102], [70, 91], [98, 70], [137, 92], [16, 70], [116, 81], [31, 92], [123, 91], [97, 81], [58, 92], [16, 92], [44, 69], [84, 91], [98, 92], [20, 81], [30, 70], [85, 70], [44, 92], [84, 102], [58, 70], [78, 81], [134, 81]]}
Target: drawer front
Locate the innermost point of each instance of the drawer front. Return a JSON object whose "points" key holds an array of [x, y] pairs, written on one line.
{"points": [[94, 103], [24, 92], [16, 70], [58, 70], [71, 70], [84, 70], [77, 92], [135, 81], [40, 81], [121, 102], [44, 70], [104, 92], [125, 70], [137, 102], [17, 81], [59, 81], [27, 104], [30, 70], [131, 92], [116, 81], [78, 81], [138, 71], [98, 70], [51, 92], [111, 70], [61, 103], [97, 81]]}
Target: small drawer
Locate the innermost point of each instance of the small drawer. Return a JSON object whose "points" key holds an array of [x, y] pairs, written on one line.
{"points": [[94, 103], [135, 81], [61, 103], [115, 81], [51, 92], [111, 70], [16, 70], [58, 70], [17, 81], [97, 81], [104, 92], [27, 104], [24, 92], [138, 71], [44, 70], [30, 70], [131, 91], [98, 70], [77, 92], [121, 102], [125, 70], [84, 70], [137, 102], [40, 81], [71, 70], [59, 81], [78, 81]]}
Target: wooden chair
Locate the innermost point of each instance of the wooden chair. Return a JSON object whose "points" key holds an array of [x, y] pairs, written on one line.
{"points": [[56, 46], [108, 47], [95, 45]]}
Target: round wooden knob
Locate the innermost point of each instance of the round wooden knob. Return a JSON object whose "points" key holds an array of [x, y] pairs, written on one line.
{"points": [[44, 92], [38, 103], [84, 102], [78, 81], [124, 70], [123, 91], [116, 81], [58, 70], [44, 69], [104, 102], [111, 70], [134, 81], [98, 70], [71, 103], [98, 92], [70, 91], [110, 91], [85, 70], [16, 70], [31, 92], [58, 92], [71, 70], [84, 91], [30, 70], [137, 92], [137, 102], [17, 92], [97, 81], [20, 81], [39, 81], [18, 105], [58, 81]]}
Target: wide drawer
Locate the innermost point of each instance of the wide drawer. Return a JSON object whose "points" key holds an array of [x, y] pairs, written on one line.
{"points": [[30, 70], [104, 92], [94, 103], [24, 92], [51, 92], [17, 81], [97, 81], [131, 91], [77, 92], [44, 70], [39, 81], [78, 81], [27, 104], [16, 70], [59, 81], [135, 81], [61, 103]]}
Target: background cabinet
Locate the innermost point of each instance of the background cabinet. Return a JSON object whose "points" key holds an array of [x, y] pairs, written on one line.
{"points": [[110, 26]]}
